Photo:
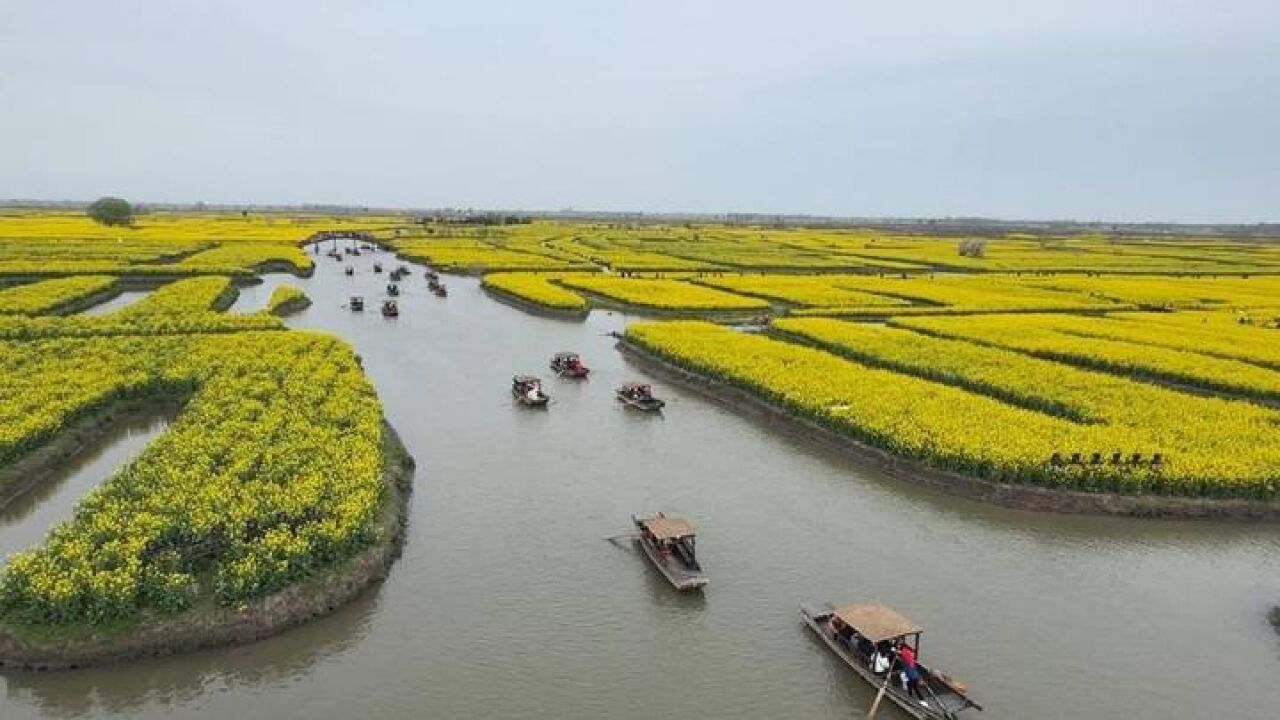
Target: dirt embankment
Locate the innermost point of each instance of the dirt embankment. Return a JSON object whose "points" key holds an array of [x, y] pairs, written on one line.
{"points": [[210, 625], [1021, 497]]}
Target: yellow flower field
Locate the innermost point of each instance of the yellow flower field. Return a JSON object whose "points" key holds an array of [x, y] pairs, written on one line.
{"points": [[49, 295], [536, 288], [928, 412], [1169, 364], [662, 293], [271, 472]]}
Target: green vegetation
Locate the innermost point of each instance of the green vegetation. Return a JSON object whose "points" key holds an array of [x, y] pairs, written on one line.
{"points": [[111, 211]]}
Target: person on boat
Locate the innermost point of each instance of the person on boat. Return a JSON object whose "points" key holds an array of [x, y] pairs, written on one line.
{"points": [[532, 392], [910, 670], [837, 626], [881, 661]]}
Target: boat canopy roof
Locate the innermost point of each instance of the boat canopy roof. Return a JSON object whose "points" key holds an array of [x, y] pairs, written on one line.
{"points": [[877, 622], [526, 379], [566, 355], [634, 385], [666, 528]]}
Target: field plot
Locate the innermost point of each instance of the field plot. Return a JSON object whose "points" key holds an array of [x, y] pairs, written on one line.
{"points": [[161, 244], [825, 291], [961, 295], [465, 255], [1174, 293], [662, 294], [242, 495], [536, 288], [1035, 336], [621, 255], [272, 473], [50, 295], [988, 412], [1211, 440], [253, 256]]}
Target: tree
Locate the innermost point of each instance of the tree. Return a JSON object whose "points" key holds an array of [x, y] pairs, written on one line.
{"points": [[973, 247], [111, 211]]}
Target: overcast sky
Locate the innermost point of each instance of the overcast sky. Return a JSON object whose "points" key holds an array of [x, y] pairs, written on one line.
{"points": [[1084, 109]]}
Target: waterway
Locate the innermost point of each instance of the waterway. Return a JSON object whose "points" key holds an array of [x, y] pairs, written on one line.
{"points": [[509, 603], [119, 302]]}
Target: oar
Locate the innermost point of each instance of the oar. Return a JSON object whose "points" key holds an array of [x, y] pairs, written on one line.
{"points": [[880, 695]]}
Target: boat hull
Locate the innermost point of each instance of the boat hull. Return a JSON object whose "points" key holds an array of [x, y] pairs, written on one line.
{"points": [[652, 406], [565, 372]]}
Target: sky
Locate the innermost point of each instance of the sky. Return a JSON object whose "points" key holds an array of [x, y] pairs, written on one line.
{"points": [[1018, 109]]}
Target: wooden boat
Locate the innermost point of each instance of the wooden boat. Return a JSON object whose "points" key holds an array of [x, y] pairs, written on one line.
{"points": [[390, 309], [377, 267], [357, 303], [440, 290], [527, 390], [431, 275], [671, 545], [350, 271], [856, 633], [569, 364], [640, 396], [393, 290]]}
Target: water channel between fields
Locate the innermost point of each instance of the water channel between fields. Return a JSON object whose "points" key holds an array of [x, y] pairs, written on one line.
{"points": [[508, 602]]}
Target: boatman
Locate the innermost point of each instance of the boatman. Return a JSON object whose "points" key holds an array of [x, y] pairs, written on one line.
{"points": [[910, 670]]}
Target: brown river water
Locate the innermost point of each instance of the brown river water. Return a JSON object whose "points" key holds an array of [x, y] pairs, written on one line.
{"points": [[509, 602]]}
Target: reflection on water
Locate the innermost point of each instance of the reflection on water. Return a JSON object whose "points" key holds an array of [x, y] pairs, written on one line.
{"points": [[509, 603], [124, 690]]}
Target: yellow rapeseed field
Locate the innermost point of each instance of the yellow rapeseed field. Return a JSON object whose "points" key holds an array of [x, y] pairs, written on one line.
{"points": [[915, 402]]}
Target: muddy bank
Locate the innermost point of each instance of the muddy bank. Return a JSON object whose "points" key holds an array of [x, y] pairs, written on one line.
{"points": [[1020, 497], [209, 625]]}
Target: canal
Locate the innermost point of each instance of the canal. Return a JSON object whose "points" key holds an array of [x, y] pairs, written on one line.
{"points": [[510, 603]]}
